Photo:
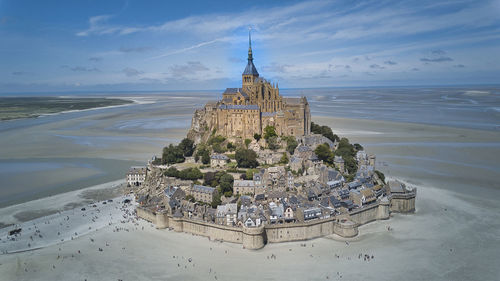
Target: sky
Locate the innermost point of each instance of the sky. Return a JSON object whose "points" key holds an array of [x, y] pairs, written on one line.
{"points": [[202, 45]]}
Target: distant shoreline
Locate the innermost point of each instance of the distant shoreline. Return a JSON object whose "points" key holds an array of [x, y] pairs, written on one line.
{"points": [[35, 107]]}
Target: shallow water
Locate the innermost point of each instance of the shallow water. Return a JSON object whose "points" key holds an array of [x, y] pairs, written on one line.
{"points": [[445, 141]]}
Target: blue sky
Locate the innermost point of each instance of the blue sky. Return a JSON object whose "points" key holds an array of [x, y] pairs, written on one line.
{"points": [[172, 45]]}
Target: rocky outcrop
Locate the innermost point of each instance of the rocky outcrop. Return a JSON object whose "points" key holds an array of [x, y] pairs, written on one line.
{"points": [[156, 182], [200, 126]]}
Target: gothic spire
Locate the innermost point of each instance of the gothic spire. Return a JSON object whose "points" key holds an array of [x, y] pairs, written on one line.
{"points": [[250, 68], [250, 57]]}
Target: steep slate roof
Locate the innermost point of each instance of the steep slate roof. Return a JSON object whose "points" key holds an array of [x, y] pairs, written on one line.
{"points": [[250, 69], [235, 90]]}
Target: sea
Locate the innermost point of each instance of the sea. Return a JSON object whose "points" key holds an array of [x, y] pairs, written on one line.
{"points": [[445, 141]]}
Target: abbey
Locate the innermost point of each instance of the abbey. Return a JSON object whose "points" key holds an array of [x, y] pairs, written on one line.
{"points": [[246, 111]]}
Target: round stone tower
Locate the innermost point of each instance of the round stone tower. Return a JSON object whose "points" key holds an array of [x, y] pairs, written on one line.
{"points": [[383, 209], [161, 220], [253, 237]]}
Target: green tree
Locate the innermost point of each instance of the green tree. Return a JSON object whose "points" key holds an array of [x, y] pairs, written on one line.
{"points": [[172, 172], [247, 142], [246, 158], [257, 137], [216, 139], [249, 174], [269, 132], [209, 179], [204, 154], [284, 159], [226, 184], [216, 201], [324, 153], [358, 147], [272, 143], [190, 174], [190, 198], [218, 148], [324, 131], [291, 144], [230, 146], [380, 175], [187, 147], [348, 153], [172, 154]]}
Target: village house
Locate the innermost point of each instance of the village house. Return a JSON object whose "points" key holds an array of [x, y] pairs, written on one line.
{"points": [[338, 161], [136, 175], [289, 214], [227, 214], [174, 192], [203, 193], [313, 140], [218, 160], [295, 164], [244, 187]]}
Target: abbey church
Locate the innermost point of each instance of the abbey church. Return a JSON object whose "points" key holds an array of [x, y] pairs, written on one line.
{"points": [[246, 111]]}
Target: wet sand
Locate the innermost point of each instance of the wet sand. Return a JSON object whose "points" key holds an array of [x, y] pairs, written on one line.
{"points": [[429, 245], [454, 234]]}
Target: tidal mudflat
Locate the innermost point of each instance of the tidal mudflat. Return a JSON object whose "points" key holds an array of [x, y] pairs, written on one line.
{"points": [[454, 234]]}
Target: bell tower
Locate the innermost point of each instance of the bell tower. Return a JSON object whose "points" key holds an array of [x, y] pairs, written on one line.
{"points": [[250, 73]]}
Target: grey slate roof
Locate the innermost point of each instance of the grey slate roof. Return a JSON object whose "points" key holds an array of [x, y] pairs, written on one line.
{"points": [[219, 157], [234, 91], [202, 188], [268, 114], [250, 69], [237, 106]]}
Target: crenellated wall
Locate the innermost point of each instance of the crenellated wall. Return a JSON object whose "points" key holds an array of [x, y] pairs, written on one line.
{"points": [[256, 237]]}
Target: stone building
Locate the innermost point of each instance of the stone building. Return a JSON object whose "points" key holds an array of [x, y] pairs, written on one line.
{"points": [[243, 187], [203, 193], [136, 175], [243, 112], [218, 160]]}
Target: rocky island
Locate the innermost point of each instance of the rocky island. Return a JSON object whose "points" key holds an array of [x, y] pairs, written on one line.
{"points": [[254, 169]]}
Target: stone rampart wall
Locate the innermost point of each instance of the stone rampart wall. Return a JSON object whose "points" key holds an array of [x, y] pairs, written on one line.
{"points": [[255, 238], [146, 214], [299, 231], [403, 203]]}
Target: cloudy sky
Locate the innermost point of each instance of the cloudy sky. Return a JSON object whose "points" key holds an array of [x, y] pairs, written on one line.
{"points": [[171, 45]]}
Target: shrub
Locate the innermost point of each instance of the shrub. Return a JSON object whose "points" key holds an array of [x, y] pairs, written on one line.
{"points": [[272, 143], [324, 131], [291, 144], [324, 153], [203, 153], [171, 172], [187, 147], [269, 132], [284, 159], [380, 175], [246, 158], [172, 154]]}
